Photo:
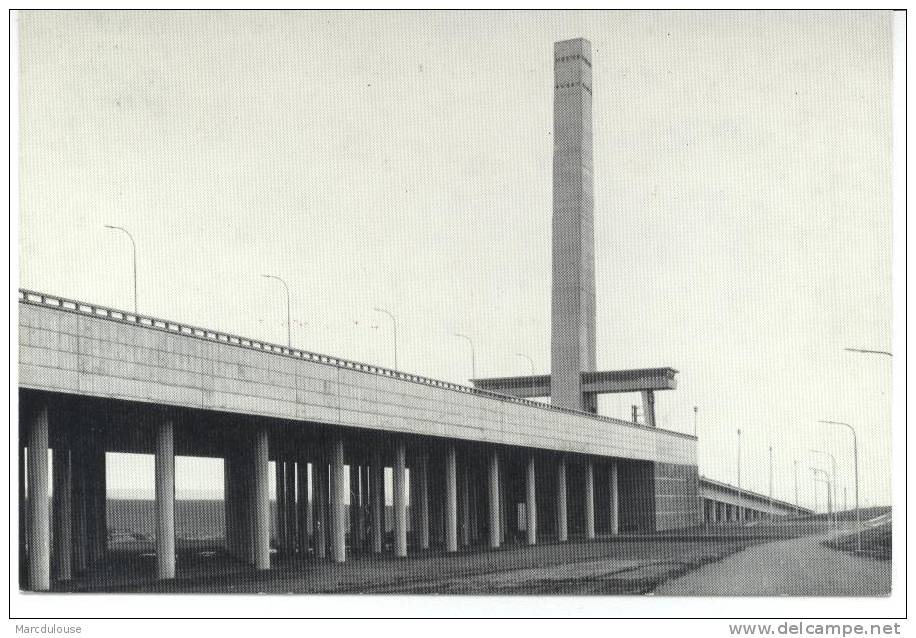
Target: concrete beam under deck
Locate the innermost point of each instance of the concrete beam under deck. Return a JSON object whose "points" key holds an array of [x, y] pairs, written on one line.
{"points": [[600, 382]]}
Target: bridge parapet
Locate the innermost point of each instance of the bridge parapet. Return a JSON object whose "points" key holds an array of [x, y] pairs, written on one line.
{"points": [[97, 311]]}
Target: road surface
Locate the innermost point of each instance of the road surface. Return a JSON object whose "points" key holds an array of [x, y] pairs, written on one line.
{"points": [[796, 567]]}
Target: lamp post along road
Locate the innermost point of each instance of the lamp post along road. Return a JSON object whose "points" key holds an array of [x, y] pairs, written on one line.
{"points": [[134, 252], [394, 323], [825, 480], [855, 454], [739, 473], [289, 331], [700, 514], [771, 482], [473, 355], [869, 351], [836, 520], [530, 361]]}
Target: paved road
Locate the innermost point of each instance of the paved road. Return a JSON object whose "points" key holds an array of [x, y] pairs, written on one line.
{"points": [[606, 566], [796, 567]]}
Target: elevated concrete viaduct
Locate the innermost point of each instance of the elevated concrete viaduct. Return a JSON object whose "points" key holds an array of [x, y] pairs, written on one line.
{"points": [[721, 503], [487, 468]]}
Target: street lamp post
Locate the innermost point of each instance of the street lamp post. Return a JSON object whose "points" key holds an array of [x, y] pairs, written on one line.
{"points": [[868, 351], [855, 453], [473, 355], [836, 501], [700, 514], [825, 480], [394, 323], [771, 483], [795, 475], [739, 475], [530, 361], [134, 251], [814, 481], [289, 330]]}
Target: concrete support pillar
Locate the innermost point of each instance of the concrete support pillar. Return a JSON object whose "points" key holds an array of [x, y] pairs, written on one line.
{"points": [[473, 508], [614, 505], [589, 500], [39, 556], [363, 506], [562, 529], [261, 501], [96, 504], [504, 503], [355, 540], [422, 517], [377, 501], [80, 511], [63, 517], [165, 499], [280, 504], [229, 523], [531, 503], [493, 504], [242, 468], [320, 507], [337, 506], [292, 516], [248, 498], [302, 505], [648, 407], [238, 480], [451, 500], [464, 519], [400, 500], [101, 503], [23, 518]]}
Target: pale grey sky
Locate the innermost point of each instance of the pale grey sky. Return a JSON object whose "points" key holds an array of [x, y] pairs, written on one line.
{"points": [[742, 198]]}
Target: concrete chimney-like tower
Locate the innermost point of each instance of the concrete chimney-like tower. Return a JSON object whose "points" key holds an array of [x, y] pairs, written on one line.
{"points": [[573, 314]]}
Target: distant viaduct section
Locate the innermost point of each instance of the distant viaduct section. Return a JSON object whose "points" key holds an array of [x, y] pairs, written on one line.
{"points": [[722, 503]]}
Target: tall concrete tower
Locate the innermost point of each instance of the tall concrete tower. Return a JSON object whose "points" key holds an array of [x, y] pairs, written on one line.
{"points": [[573, 313]]}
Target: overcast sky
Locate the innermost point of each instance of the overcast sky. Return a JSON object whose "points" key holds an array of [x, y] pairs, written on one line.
{"points": [[742, 199]]}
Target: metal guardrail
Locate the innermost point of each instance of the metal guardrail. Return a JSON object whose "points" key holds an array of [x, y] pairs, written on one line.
{"points": [[102, 312]]}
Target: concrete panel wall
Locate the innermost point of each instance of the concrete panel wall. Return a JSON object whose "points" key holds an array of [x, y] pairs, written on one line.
{"points": [[83, 354], [676, 502]]}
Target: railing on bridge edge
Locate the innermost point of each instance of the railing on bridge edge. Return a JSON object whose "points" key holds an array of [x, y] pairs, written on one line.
{"points": [[102, 312]]}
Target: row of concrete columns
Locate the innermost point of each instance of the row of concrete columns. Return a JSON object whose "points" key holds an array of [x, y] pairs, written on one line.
{"points": [[77, 512], [80, 530], [717, 512]]}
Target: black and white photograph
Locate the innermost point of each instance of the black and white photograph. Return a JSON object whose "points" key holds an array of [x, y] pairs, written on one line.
{"points": [[501, 313]]}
